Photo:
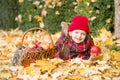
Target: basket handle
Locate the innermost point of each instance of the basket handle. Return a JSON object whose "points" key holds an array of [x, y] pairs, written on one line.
{"points": [[37, 29]]}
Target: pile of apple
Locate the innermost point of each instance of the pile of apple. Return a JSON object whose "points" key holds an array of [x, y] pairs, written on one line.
{"points": [[32, 45]]}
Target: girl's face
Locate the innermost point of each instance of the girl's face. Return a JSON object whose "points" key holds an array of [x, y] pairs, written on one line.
{"points": [[78, 36]]}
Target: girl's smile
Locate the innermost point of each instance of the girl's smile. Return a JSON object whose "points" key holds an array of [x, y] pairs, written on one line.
{"points": [[78, 36]]}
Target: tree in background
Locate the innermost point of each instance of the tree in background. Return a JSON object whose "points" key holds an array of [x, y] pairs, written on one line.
{"points": [[117, 19]]}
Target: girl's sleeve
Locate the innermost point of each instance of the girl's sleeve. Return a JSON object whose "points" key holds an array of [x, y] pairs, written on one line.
{"points": [[90, 41], [59, 42], [59, 45]]}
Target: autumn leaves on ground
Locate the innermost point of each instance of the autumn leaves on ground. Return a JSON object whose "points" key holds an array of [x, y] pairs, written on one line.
{"points": [[104, 67]]}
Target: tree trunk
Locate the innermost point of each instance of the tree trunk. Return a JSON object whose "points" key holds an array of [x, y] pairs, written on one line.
{"points": [[117, 19]]}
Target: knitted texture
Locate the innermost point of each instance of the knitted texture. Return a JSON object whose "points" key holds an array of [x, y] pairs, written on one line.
{"points": [[79, 23]]}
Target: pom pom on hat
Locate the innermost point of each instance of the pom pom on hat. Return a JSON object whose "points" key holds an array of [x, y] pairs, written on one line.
{"points": [[79, 23]]}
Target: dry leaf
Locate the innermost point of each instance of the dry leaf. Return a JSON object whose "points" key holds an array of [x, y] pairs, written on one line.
{"points": [[115, 56], [3, 58], [105, 66], [56, 61], [109, 42], [5, 75], [74, 78], [38, 18], [45, 65]]}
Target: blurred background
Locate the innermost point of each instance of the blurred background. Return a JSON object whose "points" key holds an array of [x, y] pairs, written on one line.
{"points": [[49, 14]]}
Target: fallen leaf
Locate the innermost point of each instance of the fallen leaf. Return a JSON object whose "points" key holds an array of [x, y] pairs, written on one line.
{"points": [[45, 65], [3, 58]]}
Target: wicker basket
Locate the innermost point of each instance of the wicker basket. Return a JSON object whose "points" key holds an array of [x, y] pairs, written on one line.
{"points": [[29, 56]]}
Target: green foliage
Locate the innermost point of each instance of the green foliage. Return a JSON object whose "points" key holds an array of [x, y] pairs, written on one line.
{"points": [[8, 12], [53, 21], [100, 13], [27, 9], [114, 47]]}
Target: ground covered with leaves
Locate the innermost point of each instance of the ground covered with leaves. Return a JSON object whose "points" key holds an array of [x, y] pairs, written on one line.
{"points": [[104, 67]]}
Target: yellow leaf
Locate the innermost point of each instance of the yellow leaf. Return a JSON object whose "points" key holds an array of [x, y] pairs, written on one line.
{"points": [[97, 12], [29, 69], [56, 61], [79, 1], [6, 51], [93, 0], [21, 1], [38, 18], [36, 3], [5, 75], [13, 78], [118, 71], [108, 6], [105, 53], [109, 41], [20, 68], [105, 32], [100, 57], [118, 64], [45, 65], [115, 56], [82, 70], [93, 18], [99, 43], [57, 13], [3, 58], [76, 77], [108, 74], [108, 20]]}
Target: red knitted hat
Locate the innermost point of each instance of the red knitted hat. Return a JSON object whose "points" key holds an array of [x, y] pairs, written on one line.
{"points": [[80, 23]]}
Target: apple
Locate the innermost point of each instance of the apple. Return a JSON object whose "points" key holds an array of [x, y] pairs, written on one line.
{"points": [[31, 46], [39, 44], [95, 50]]}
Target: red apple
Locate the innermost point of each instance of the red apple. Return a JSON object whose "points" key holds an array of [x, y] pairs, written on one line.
{"points": [[95, 50], [38, 44]]}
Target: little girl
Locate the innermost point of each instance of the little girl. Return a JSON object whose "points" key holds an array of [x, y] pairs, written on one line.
{"points": [[78, 42]]}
